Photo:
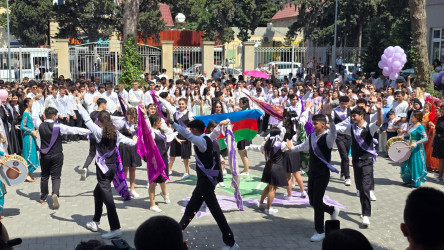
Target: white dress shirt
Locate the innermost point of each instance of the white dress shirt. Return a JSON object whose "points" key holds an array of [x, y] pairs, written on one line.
{"points": [[331, 138], [67, 130], [135, 96]]}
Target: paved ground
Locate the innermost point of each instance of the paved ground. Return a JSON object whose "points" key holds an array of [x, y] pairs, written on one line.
{"points": [[40, 227]]}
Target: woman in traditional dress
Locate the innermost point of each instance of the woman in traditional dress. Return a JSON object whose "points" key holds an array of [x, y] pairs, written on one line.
{"points": [[274, 171], [438, 144], [15, 133], [29, 152], [429, 121], [414, 171]]}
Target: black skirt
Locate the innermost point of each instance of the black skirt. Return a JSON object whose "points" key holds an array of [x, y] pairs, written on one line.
{"points": [[438, 147], [129, 155], [274, 174], [224, 152], [160, 179], [291, 161], [242, 144], [183, 150]]}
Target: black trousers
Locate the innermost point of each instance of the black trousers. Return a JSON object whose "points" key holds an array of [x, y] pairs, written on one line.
{"points": [[343, 142], [363, 171], [204, 191], [317, 184], [265, 121], [92, 152], [104, 195], [75, 123], [51, 166], [259, 125]]}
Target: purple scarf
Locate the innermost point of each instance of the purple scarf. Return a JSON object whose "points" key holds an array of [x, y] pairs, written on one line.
{"points": [[122, 106], [319, 154], [158, 105], [362, 143], [146, 148], [308, 126], [232, 159], [119, 180], [210, 173]]}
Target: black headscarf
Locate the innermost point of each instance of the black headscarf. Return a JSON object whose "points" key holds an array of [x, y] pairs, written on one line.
{"points": [[416, 100]]}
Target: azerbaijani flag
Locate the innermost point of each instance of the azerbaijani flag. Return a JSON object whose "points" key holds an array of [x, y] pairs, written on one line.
{"points": [[244, 124]]}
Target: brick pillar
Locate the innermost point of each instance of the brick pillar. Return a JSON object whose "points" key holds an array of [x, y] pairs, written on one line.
{"points": [[248, 56], [167, 57], [207, 57]]}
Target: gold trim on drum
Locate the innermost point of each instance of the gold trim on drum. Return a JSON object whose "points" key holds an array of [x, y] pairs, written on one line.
{"points": [[393, 140]]}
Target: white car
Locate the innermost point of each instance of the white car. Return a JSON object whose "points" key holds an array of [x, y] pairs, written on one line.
{"points": [[284, 68], [191, 71]]}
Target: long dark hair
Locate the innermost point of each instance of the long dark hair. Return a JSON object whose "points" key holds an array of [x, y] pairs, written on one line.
{"points": [[109, 131], [213, 107], [288, 123], [23, 105], [268, 147]]}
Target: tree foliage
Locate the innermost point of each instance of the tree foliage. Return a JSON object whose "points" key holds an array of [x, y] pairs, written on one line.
{"points": [[29, 21], [131, 62], [150, 22], [93, 18]]}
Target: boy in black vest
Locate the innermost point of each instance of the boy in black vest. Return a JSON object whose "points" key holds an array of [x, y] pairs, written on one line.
{"points": [[208, 175], [51, 153], [319, 144], [363, 154]]}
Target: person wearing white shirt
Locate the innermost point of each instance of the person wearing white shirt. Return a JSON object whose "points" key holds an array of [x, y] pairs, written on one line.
{"points": [[363, 154], [89, 98], [123, 94], [163, 71], [135, 94], [64, 108], [399, 105], [76, 119], [112, 101], [381, 82], [147, 98]]}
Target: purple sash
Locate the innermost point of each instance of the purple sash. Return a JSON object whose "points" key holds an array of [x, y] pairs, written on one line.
{"points": [[55, 134], [119, 180], [340, 113], [319, 154], [210, 173], [179, 121], [362, 143], [237, 194], [122, 106], [101, 160], [158, 105]]}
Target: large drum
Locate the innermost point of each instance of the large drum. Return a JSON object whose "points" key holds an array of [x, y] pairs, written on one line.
{"points": [[397, 149], [13, 170]]}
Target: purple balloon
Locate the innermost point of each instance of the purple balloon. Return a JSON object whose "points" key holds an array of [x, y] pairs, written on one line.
{"points": [[397, 56], [389, 61], [381, 64], [403, 61], [389, 51], [393, 76], [386, 71], [398, 49], [384, 58], [397, 65]]}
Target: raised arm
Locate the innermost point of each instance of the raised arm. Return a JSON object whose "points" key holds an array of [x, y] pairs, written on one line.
{"points": [[256, 148], [95, 130], [67, 130], [199, 141]]}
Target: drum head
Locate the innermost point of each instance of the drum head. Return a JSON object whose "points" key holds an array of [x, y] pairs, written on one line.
{"points": [[399, 155], [10, 177]]}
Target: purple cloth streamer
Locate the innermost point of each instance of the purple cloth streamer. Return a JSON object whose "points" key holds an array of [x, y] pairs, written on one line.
{"points": [[340, 113], [237, 194], [158, 105], [274, 111], [362, 143], [122, 106], [55, 134], [318, 153], [308, 126], [119, 180], [146, 148]]}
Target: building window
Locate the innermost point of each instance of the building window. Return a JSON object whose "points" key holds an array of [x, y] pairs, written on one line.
{"points": [[437, 44]]}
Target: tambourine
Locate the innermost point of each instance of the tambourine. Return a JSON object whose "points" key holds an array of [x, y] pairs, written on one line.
{"points": [[398, 149], [13, 170]]}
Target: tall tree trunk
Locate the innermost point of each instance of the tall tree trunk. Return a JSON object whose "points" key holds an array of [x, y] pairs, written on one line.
{"points": [[359, 42], [419, 41], [130, 18]]}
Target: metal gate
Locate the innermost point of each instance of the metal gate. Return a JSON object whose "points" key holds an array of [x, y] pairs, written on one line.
{"points": [[102, 60]]}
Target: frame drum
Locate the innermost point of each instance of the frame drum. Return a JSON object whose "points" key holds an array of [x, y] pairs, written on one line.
{"points": [[396, 153], [11, 177]]}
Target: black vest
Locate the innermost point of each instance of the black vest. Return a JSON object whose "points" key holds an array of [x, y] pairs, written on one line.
{"points": [[207, 159], [316, 166], [161, 144], [338, 119], [107, 145], [185, 120], [356, 151], [45, 131]]}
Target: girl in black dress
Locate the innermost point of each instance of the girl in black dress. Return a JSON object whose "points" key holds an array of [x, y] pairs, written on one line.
{"points": [[274, 171], [438, 143]]}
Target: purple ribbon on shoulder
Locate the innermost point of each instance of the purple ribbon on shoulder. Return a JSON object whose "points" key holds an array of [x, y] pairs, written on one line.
{"points": [[101, 160], [158, 105], [362, 143], [237, 194], [212, 174], [340, 113], [179, 121], [55, 134], [319, 154]]}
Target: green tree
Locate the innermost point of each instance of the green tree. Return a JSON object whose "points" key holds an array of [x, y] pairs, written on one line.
{"points": [[93, 18], [131, 62], [29, 21], [150, 22]]}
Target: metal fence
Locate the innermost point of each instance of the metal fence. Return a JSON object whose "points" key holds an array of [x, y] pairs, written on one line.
{"points": [[302, 55], [34, 63], [102, 60]]}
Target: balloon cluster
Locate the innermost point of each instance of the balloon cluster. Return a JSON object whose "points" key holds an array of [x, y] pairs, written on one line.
{"points": [[392, 61], [3, 95]]}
